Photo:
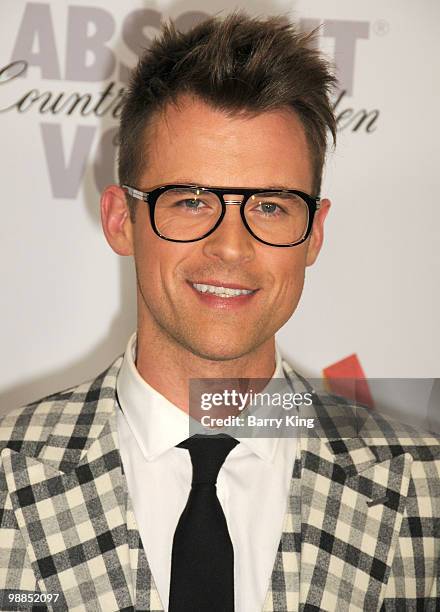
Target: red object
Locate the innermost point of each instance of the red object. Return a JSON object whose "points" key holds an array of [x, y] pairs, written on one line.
{"points": [[346, 378]]}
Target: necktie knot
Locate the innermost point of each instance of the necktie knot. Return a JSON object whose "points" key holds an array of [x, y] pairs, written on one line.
{"points": [[208, 453]]}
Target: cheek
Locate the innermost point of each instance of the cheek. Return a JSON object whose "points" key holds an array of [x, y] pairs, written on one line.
{"points": [[157, 261], [291, 270], [292, 288], [290, 282], [146, 255]]}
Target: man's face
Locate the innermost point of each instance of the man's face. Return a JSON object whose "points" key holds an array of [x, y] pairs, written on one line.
{"points": [[197, 144]]}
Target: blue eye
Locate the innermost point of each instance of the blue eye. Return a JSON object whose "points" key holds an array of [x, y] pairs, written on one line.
{"points": [[267, 205], [269, 209], [190, 203]]}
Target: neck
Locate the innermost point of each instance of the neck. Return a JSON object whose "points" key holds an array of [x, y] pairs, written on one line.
{"points": [[168, 366]]}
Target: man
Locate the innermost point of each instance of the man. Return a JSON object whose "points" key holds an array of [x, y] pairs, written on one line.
{"points": [[222, 144]]}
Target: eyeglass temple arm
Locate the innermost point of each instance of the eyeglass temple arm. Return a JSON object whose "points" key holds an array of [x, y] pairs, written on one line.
{"points": [[135, 193]]}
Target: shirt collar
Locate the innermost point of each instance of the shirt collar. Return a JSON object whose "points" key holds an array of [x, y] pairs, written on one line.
{"points": [[156, 423]]}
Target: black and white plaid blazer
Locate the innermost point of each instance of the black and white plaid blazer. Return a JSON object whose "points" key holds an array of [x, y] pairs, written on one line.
{"points": [[361, 529]]}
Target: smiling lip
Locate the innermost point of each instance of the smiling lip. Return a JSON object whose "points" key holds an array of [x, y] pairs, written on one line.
{"points": [[217, 283], [225, 304]]}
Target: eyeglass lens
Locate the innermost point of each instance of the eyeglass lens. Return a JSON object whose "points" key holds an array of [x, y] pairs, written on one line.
{"points": [[189, 214]]}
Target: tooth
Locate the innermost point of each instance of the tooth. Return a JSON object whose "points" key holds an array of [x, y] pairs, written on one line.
{"points": [[224, 292]]}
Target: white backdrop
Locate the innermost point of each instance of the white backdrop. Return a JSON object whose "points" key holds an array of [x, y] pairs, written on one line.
{"points": [[67, 301]]}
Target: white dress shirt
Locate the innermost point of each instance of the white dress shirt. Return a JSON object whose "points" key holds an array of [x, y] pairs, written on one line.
{"points": [[252, 485]]}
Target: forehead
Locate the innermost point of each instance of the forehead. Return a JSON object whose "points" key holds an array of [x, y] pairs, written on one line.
{"points": [[195, 142]]}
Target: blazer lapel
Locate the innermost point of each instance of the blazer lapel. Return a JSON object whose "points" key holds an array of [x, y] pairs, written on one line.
{"points": [[283, 591], [73, 510], [343, 516], [146, 594], [351, 512]]}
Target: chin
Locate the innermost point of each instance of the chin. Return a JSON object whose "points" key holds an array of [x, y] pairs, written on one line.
{"points": [[215, 350]]}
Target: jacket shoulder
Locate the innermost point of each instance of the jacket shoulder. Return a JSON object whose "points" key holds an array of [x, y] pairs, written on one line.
{"points": [[399, 436], [385, 433], [27, 428]]}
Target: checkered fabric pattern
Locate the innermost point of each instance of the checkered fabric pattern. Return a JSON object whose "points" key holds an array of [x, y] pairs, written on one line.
{"points": [[361, 530]]}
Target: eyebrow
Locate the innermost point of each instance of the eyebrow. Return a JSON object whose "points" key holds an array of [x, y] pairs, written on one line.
{"points": [[202, 184], [279, 187]]}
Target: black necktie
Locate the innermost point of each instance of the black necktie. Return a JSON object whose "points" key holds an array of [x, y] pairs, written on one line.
{"points": [[202, 563]]}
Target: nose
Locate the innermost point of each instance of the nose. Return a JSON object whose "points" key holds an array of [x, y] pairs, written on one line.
{"points": [[231, 241]]}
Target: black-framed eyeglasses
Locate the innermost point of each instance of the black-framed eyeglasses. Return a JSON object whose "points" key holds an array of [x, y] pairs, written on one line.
{"points": [[187, 213]]}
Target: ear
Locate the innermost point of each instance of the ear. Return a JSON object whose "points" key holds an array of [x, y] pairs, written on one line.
{"points": [[317, 234], [116, 222]]}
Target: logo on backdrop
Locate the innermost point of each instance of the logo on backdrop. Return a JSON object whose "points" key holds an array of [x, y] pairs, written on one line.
{"points": [[88, 58]]}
